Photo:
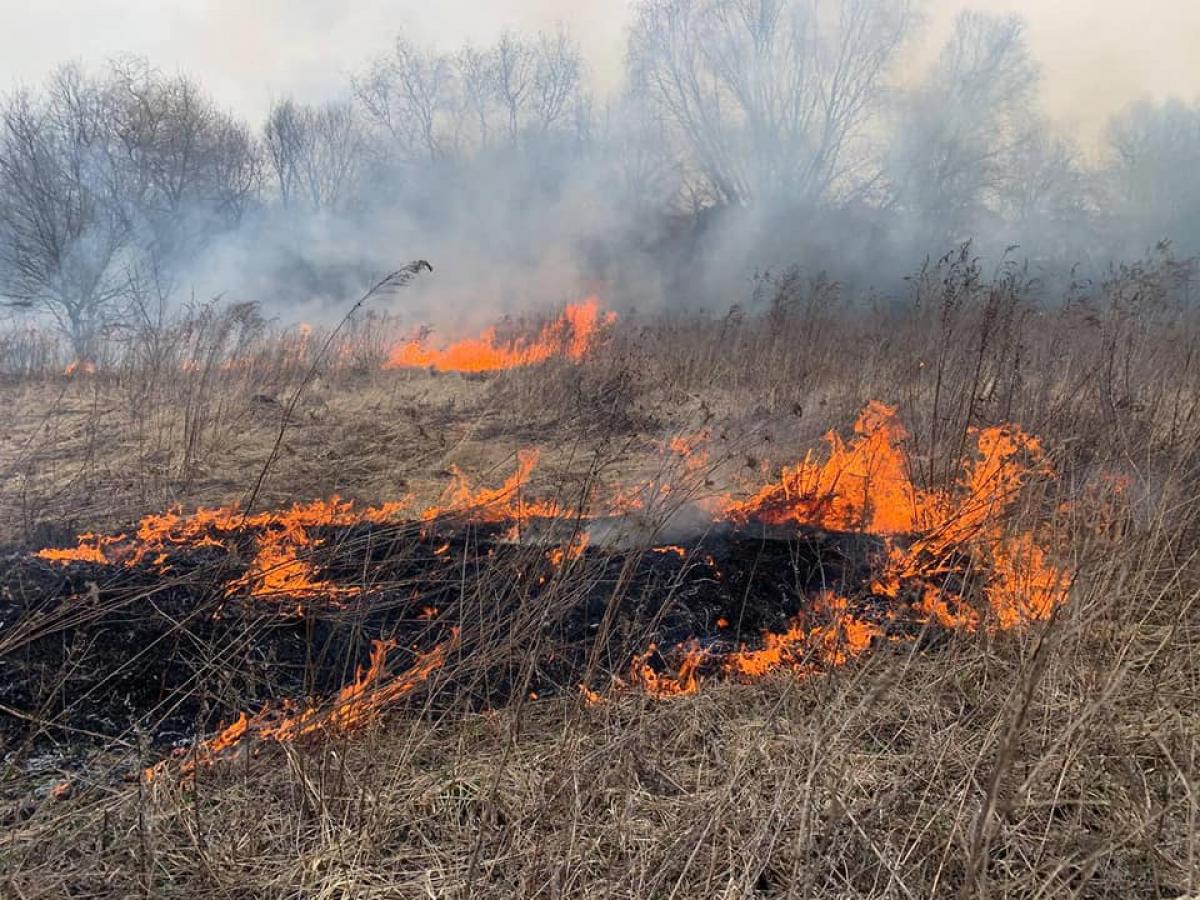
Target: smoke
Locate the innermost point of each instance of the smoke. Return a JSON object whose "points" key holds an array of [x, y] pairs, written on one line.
{"points": [[502, 241], [659, 153], [1097, 57], [250, 54]]}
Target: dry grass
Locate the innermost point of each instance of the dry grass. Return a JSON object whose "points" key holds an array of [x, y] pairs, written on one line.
{"points": [[1061, 761]]}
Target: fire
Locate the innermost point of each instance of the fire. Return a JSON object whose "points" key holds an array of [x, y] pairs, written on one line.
{"points": [[681, 552], [801, 647], [90, 549], [690, 449], [683, 681], [278, 570], [570, 336], [863, 485], [951, 557], [357, 705], [507, 502], [282, 538], [80, 367], [825, 636], [62, 789], [571, 550], [589, 696], [866, 485], [1023, 586]]}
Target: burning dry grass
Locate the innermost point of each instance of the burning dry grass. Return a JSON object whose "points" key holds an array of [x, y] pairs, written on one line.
{"points": [[1055, 757], [570, 336], [1014, 767]]}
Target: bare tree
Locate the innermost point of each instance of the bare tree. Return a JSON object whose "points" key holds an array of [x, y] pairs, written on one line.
{"points": [[64, 217], [315, 154], [477, 81], [1045, 197], [513, 70], [411, 95], [642, 172], [110, 181], [194, 166], [557, 75], [435, 107], [958, 135], [1154, 175], [286, 140], [766, 96]]}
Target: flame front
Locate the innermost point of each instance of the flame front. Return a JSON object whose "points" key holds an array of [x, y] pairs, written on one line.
{"points": [[282, 540], [863, 486], [930, 537]]}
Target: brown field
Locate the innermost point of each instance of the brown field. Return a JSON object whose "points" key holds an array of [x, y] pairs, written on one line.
{"points": [[1057, 759]]}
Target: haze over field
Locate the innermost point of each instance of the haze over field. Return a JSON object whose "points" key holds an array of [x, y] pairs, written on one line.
{"points": [[658, 153], [248, 55]]}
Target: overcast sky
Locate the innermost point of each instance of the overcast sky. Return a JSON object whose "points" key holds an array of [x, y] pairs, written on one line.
{"points": [[1097, 55]]}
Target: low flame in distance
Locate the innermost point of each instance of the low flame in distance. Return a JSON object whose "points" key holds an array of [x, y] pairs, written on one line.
{"points": [[570, 336]]}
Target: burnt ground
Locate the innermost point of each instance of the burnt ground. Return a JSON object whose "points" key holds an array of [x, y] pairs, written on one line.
{"points": [[153, 655]]}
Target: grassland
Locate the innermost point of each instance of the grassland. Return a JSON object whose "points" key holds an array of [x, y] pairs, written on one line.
{"points": [[1061, 759]]}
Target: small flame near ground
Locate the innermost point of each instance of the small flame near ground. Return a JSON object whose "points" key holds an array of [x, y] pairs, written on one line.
{"points": [[356, 706]]}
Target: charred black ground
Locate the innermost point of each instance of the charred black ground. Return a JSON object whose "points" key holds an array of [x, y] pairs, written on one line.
{"points": [[96, 655]]}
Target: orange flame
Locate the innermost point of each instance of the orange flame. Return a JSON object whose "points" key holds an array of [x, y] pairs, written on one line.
{"points": [[863, 485], [589, 696], [571, 550], [90, 549], [866, 485], [507, 502], [571, 335], [278, 568], [685, 680], [356, 705], [930, 536], [800, 648]]}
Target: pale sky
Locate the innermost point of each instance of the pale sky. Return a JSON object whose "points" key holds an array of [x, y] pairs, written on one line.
{"points": [[1097, 56]]}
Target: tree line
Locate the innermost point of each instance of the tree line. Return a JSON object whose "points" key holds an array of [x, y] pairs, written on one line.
{"points": [[113, 183]]}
